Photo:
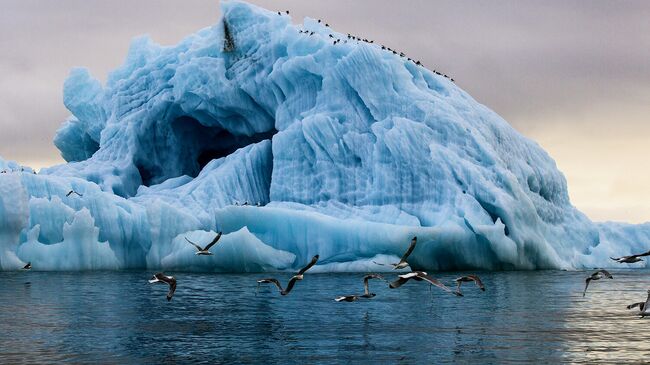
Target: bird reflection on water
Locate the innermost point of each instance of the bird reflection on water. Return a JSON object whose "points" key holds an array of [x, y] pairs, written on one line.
{"points": [[522, 316]]}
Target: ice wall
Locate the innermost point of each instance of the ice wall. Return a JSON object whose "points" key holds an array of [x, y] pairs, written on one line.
{"points": [[348, 149]]}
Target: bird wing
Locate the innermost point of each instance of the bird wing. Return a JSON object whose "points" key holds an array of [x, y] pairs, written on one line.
{"points": [[617, 258], [435, 282], [645, 305], [606, 273], [365, 282], [271, 280], [309, 265], [414, 241], [68, 194], [347, 298], [290, 285], [639, 304], [194, 244], [377, 263], [172, 289], [647, 253], [214, 241], [478, 281], [402, 279], [586, 285]]}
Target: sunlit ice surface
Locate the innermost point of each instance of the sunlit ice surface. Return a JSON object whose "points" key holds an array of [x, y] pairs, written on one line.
{"points": [[117, 317]]}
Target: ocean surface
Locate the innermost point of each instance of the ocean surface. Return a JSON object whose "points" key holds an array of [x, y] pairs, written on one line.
{"points": [[118, 318]]}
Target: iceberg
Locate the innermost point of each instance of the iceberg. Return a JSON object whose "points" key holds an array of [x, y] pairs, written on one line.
{"points": [[292, 145]]}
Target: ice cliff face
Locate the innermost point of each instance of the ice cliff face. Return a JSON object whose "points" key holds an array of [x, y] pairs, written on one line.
{"points": [[350, 150]]}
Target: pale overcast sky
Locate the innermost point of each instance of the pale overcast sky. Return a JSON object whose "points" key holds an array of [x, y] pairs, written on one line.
{"points": [[572, 75]]}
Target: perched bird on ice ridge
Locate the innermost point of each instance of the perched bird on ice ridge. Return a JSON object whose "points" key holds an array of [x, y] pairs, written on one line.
{"points": [[206, 249], [596, 276], [292, 281]]}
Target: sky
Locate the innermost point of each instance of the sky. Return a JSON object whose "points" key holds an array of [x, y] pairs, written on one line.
{"points": [[572, 75]]}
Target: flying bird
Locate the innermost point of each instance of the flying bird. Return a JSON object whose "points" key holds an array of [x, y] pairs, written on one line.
{"points": [[630, 259], [162, 278], [28, 266], [366, 290], [596, 276], [421, 276], [402, 262], [299, 276], [206, 249], [73, 192], [643, 306], [468, 278]]}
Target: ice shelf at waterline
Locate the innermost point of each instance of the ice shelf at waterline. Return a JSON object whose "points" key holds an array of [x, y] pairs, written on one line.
{"points": [[349, 149]]}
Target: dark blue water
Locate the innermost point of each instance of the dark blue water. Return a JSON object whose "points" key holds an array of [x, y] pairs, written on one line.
{"points": [[117, 317]]}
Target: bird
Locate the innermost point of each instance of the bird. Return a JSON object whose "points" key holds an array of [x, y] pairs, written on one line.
{"points": [[287, 11], [468, 278], [630, 259], [28, 266], [643, 306], [402, 262], [162, 278], [292, 281], [418, 63], [73, 192], [366, 290], [596, 276], [421, 276], [206, 249], [279, 13]]}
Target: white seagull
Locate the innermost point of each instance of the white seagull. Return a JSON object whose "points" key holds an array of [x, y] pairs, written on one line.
{"points": [[402, 262], [206, 249], [292, 281], [366, 290], [162, 278], [421, 276], [600, 274]]}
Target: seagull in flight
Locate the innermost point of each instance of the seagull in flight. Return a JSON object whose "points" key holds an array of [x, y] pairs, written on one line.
{"points": [[630, 259], [162, 278], [402, 262], [468, 278], [206, 249], [643, 306], [421, 276], [28, 266], [600, 274], [292, 281], [366, 290], [72, 192]]}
